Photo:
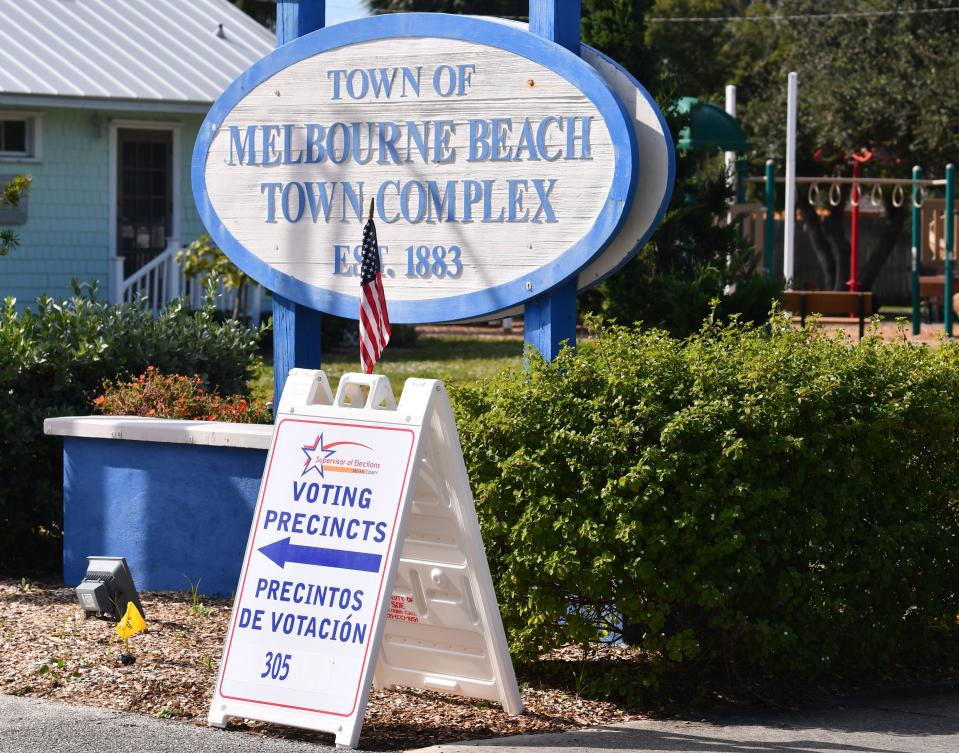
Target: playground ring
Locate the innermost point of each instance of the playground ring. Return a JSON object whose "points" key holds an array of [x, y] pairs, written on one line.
{"points": [[875, 196], [813, 195], [898, 196], [918, 197], [855, 195], [835, 194]]}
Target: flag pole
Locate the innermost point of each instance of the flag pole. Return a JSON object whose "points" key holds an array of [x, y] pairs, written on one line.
{"points": [[373, 318]]}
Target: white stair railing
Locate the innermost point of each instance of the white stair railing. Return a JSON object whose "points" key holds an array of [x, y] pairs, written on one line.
{"points": [[160, 280]]}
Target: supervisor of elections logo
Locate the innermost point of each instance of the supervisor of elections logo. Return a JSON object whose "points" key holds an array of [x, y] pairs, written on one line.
{"points": [[323, 458]]}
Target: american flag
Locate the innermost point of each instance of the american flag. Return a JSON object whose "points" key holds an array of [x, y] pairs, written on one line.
{"points": [[374, 320]]}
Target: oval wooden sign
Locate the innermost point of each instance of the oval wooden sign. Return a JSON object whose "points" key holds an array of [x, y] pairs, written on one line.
{"points": [[500, 164]]}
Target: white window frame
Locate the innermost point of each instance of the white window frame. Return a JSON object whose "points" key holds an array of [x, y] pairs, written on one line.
{"points": [[34, 121]]}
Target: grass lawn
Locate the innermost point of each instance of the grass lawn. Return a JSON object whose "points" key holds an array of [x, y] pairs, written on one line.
{"points": [[451, 358]]}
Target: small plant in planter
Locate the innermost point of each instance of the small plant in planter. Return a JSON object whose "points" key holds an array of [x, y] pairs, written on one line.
{"points": [[176, 396]]}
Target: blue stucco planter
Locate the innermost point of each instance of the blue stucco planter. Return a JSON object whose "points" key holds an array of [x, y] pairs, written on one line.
{"points": [[174, 497]]}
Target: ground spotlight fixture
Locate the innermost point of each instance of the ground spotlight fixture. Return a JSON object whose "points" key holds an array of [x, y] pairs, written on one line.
{"points": [[107, 588]]}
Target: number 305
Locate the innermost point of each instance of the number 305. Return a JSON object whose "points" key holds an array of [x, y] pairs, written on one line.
{"points": [[277, 666]]}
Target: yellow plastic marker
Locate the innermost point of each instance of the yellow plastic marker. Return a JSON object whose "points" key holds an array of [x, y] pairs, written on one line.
{"points": [[132, 622]]}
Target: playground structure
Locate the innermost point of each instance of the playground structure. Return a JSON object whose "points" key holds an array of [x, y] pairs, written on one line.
{"points": [[932, 270], [934, 223]]}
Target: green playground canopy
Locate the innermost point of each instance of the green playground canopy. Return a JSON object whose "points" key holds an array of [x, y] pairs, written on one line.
{"points": [[711, 128]]}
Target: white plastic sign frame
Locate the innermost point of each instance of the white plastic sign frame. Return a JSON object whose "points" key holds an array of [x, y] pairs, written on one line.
{"points": [[364, 563]]}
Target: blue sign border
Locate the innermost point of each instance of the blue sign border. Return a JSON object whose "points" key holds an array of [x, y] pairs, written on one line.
{"points": [[579, 73]]}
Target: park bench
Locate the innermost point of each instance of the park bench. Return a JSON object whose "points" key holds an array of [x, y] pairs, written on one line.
{"points": [[829, 302]]}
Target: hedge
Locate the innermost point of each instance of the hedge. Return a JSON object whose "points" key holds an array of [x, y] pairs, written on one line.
{"points": [[766, 502], [53, 359]]}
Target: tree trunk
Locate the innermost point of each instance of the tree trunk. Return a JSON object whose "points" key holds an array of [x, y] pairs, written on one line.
{"points": [[892, 230], [829, 240], [835, 229], [820, 245]]}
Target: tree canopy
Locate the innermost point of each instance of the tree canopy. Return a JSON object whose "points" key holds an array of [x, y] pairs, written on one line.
{"points": [[881, 83], [693, 57], [264, 12]]}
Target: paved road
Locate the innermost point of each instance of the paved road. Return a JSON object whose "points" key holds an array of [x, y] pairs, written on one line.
{"points": [[915, 722], [31, 725]]}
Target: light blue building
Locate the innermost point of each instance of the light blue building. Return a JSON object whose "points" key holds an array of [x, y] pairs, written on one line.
{"points": [[100, 101]]}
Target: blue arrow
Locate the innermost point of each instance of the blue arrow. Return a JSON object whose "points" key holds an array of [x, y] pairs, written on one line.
{"points": [[283, 551]]}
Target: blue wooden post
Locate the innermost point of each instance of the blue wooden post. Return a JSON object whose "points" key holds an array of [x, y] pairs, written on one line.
{"points": [[551, 318], [294, 18], [296, 328]]}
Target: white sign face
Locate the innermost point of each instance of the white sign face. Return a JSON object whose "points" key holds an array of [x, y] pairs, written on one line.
{"points": [[500, 165], [317, 563]]}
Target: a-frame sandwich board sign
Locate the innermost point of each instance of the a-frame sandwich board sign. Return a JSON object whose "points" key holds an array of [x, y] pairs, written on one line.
{"points": [[364, 562]]}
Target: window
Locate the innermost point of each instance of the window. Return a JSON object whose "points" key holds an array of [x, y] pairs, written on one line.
{"points": [[18, 136], [13, 136]]}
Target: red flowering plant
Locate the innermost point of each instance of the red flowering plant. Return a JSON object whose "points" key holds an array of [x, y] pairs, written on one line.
{"points": [[176, 396]]}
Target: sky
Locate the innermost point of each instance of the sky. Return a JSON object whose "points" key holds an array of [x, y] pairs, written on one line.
{"points": [[344, 10]]}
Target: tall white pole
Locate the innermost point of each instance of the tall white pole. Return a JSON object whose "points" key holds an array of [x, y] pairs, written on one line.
{"points": [[731, 156], [790, 228], [732, 178]]}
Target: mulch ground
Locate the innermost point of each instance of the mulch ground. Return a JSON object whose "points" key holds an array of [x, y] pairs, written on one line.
{"points": [[889, 329], [48, 649]]}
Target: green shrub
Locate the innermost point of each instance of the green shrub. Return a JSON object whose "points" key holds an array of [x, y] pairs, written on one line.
{"points": [[53, 358], [764, 503], [160, 395], [680, 305]]}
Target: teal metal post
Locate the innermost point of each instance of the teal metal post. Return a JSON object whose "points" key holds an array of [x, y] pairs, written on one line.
{"points": [[950, 243], [296, 328], [769, 227], [916, 248], [550, 319]]}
